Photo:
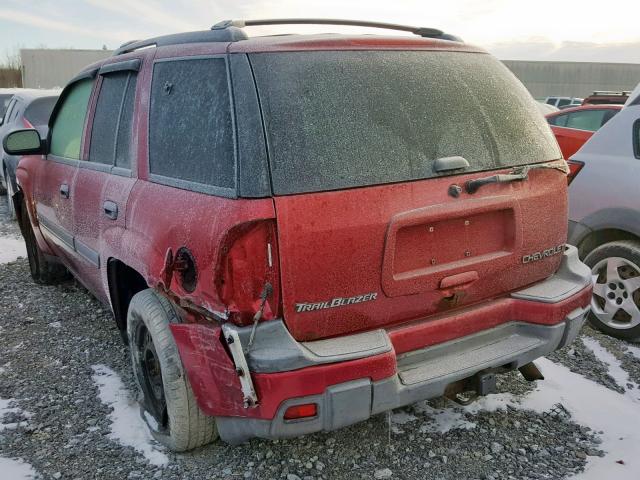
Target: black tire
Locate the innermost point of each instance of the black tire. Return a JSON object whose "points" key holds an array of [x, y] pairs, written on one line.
{"points": [[167, 401], [43, 271], [629, 251]]}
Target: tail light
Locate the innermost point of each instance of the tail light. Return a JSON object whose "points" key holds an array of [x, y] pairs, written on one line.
{"points": [[296, 412], [574, 169], [248, 262]]}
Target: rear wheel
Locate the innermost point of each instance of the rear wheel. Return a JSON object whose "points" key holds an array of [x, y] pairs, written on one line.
{"points": [[43, 271], [615, 305], [167, 401]]}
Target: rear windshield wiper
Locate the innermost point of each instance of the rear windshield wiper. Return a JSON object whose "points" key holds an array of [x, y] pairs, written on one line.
{"points": [[517, 174]]}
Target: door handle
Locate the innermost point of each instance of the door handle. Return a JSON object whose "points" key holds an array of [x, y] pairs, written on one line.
{"points": [[110, 209], [461, 280], [64, 190]]}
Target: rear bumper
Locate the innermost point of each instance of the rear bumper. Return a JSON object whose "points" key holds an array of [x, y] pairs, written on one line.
{"points": [[427, 376], [352, 378]]}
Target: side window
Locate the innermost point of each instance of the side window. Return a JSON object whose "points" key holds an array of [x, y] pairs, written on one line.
{"points": [[190, 126], [589, 120], [608, 116], [112, 120], [559, 120], [551, 101], [7, 113], [636, 138], [563, 102], [66, 132]]}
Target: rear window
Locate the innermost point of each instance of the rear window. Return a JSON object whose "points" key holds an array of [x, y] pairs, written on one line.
{"points": [[344, 119], [590, 120], [39, 111]]}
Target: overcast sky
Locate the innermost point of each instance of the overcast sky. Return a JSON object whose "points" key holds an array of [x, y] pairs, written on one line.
{"points": [[577, 30]]}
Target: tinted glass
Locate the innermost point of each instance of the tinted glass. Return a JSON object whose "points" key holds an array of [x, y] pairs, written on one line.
{"points": [[66, 132], [559, 120], [636, 138], [344, 119], [105, 121], [551, 101], [123, 155], [39, 110], [563, 102], [4, 103], [590, 120], [190, 131]]}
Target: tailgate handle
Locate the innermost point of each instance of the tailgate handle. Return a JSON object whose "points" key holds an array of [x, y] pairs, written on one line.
{"points": [[459, 280]]}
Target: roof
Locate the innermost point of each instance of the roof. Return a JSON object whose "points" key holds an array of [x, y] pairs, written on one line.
{"points": [[232, 32]]}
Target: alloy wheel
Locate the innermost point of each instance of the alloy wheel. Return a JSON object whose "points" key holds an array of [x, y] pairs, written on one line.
{"points": [[616, 292]]}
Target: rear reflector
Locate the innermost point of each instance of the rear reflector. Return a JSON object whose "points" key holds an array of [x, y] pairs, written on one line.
{"points": [[301, 411], [574, 169]]}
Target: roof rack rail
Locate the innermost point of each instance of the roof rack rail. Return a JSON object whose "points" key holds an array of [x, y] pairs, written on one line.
{"points": [[421, 31], [228, 35], [612, 92]]}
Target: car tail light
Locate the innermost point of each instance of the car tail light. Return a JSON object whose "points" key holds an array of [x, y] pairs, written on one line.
{"points": [[306, 410], [574, 169], [248, 277]]}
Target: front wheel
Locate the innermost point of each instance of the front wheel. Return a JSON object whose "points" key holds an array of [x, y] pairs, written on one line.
{"points": [[167, 401], [615, 305]]}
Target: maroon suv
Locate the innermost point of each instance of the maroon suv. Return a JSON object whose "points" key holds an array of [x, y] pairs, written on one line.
{"points": [[298, 232]]}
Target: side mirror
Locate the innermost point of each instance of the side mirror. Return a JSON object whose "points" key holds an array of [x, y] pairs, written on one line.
{"points": [[23, 142]]}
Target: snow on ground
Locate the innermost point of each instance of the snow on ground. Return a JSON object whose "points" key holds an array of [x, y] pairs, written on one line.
{"points": [[11, 249], [590, 404], [14, 469], [613, 365], [127, 427], [635, 351]]}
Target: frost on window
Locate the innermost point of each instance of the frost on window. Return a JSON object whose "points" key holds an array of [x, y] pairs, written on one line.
{"points": [[352, 118], [190, 130]]}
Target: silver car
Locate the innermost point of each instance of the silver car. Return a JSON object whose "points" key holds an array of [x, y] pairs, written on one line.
{"points": [[604, 219]]}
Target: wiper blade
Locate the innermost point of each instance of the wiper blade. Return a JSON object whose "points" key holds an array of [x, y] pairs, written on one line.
{"points": [[517, 174]]}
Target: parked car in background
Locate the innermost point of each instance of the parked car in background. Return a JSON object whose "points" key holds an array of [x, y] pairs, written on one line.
{"points": [[373, 258], [5, 97], [563, 102], [574, 126], [604, 220], [606, 98], [26, 109]]}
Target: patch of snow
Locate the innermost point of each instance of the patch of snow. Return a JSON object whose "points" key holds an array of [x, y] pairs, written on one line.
{"points": [[16, 469], [635, 351], [599, 408], [402, 418], [127, 427], [441, 421], [614, 369], [55, 324], [11, 249], [2, 370]]}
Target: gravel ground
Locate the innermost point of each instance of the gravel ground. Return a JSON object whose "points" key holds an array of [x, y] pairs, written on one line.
{"points": [[50, 337]]}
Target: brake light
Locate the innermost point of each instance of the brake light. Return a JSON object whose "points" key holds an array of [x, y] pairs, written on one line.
{"points": [[574, 169], [301, 411], [248, 262]]}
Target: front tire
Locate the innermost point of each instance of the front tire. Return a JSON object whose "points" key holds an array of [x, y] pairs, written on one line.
{"points": [[167, 401], [615, 305]]}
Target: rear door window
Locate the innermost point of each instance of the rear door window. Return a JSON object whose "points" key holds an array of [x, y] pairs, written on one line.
{"points": [[563, 102], [110, 134], [68, 125], [343, 119], [559, 120], [590, 120], [191, 140]]}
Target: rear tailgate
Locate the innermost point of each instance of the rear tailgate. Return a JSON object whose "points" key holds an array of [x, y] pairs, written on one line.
{"points": [[368, 234], [373, 257]]}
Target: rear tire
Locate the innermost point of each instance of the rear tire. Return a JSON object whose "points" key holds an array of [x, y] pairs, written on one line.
{"points": [[43, 271], [167, 401], [615, 305]]}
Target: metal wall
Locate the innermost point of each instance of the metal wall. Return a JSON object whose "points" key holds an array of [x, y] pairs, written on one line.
{"points": [[574, 79], [49, 68]]}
